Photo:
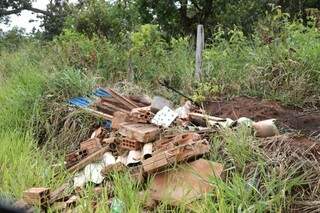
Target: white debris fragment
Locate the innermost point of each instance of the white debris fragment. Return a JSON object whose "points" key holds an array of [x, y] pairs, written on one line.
{"points": [[183, 111], [147, 151], [134, 157], [164, 117], [108, 159], [79, 179], [92, 172], [227, 123], [265, 128], [122, 159]]}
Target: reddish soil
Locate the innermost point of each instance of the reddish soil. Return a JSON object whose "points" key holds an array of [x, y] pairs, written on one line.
{"points": [[289, 118]]}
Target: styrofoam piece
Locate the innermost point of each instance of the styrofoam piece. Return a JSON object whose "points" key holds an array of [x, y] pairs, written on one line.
{"points": [[92, 172], [147, 151], [164, 117], [134, 157], [79, 179], [108, 159]]}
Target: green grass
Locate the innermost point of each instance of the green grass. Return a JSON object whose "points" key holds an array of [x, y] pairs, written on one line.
{"points": [[19, 97], [23, 165]]}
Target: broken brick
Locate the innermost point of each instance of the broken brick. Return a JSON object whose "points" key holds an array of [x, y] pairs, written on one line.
{"points": [[141, 132], [91, 145], [37, 196], [129, 144]]}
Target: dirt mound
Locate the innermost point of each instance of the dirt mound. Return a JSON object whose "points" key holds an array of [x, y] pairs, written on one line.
{"points": [[289, 118]]}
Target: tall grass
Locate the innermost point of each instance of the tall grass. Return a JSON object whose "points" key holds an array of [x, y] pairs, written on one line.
{"points": [[19, 97], [23, 165]]}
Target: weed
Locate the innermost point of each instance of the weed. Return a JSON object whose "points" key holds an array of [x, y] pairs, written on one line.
{"points": [[23, 165]]}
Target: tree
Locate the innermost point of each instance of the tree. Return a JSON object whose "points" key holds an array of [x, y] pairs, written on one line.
{"points": [[178, 17], [52, 18], [9, 7], [104, 18], [182, 16], [54, 23]]}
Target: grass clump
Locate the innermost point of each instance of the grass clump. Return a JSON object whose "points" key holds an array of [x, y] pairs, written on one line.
{"points": [[23, 165], [69, 83], [19, 97]]}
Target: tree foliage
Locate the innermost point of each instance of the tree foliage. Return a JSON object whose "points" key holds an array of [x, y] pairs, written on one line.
{"points": [[182, 16], [8, 7], [104, 18], [113, 19], [54, 23]]}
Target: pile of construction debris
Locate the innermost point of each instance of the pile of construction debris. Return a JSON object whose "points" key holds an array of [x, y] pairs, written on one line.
{"points": [[145, 138]]}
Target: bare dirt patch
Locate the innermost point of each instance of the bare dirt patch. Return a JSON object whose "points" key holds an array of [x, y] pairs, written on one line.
{"points": [[301, 120]]}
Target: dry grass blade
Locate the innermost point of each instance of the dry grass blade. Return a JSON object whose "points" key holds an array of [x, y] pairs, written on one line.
{"points": [[301, 160]]}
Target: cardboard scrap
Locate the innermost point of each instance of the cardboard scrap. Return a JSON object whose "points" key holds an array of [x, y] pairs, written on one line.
{"points": [[186, 183]]}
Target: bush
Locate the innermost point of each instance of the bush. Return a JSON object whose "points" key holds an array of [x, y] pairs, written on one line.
{"points": [[284, 69]]}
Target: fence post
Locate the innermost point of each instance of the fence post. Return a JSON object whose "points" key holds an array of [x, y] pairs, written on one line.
{"points": [[130, 72], [199, 49]]}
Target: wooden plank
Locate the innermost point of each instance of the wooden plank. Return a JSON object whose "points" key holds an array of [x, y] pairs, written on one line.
{"points": [[107, 105], [122, 99], [99, 114], [141, 100], [91, 158], [199, 49]]}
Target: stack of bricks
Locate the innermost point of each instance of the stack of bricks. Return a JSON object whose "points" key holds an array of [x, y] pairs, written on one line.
{"points": [[37, 196]]}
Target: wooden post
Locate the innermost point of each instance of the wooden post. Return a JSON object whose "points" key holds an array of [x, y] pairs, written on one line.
{"points": [[199, 49], [130, 73]]}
